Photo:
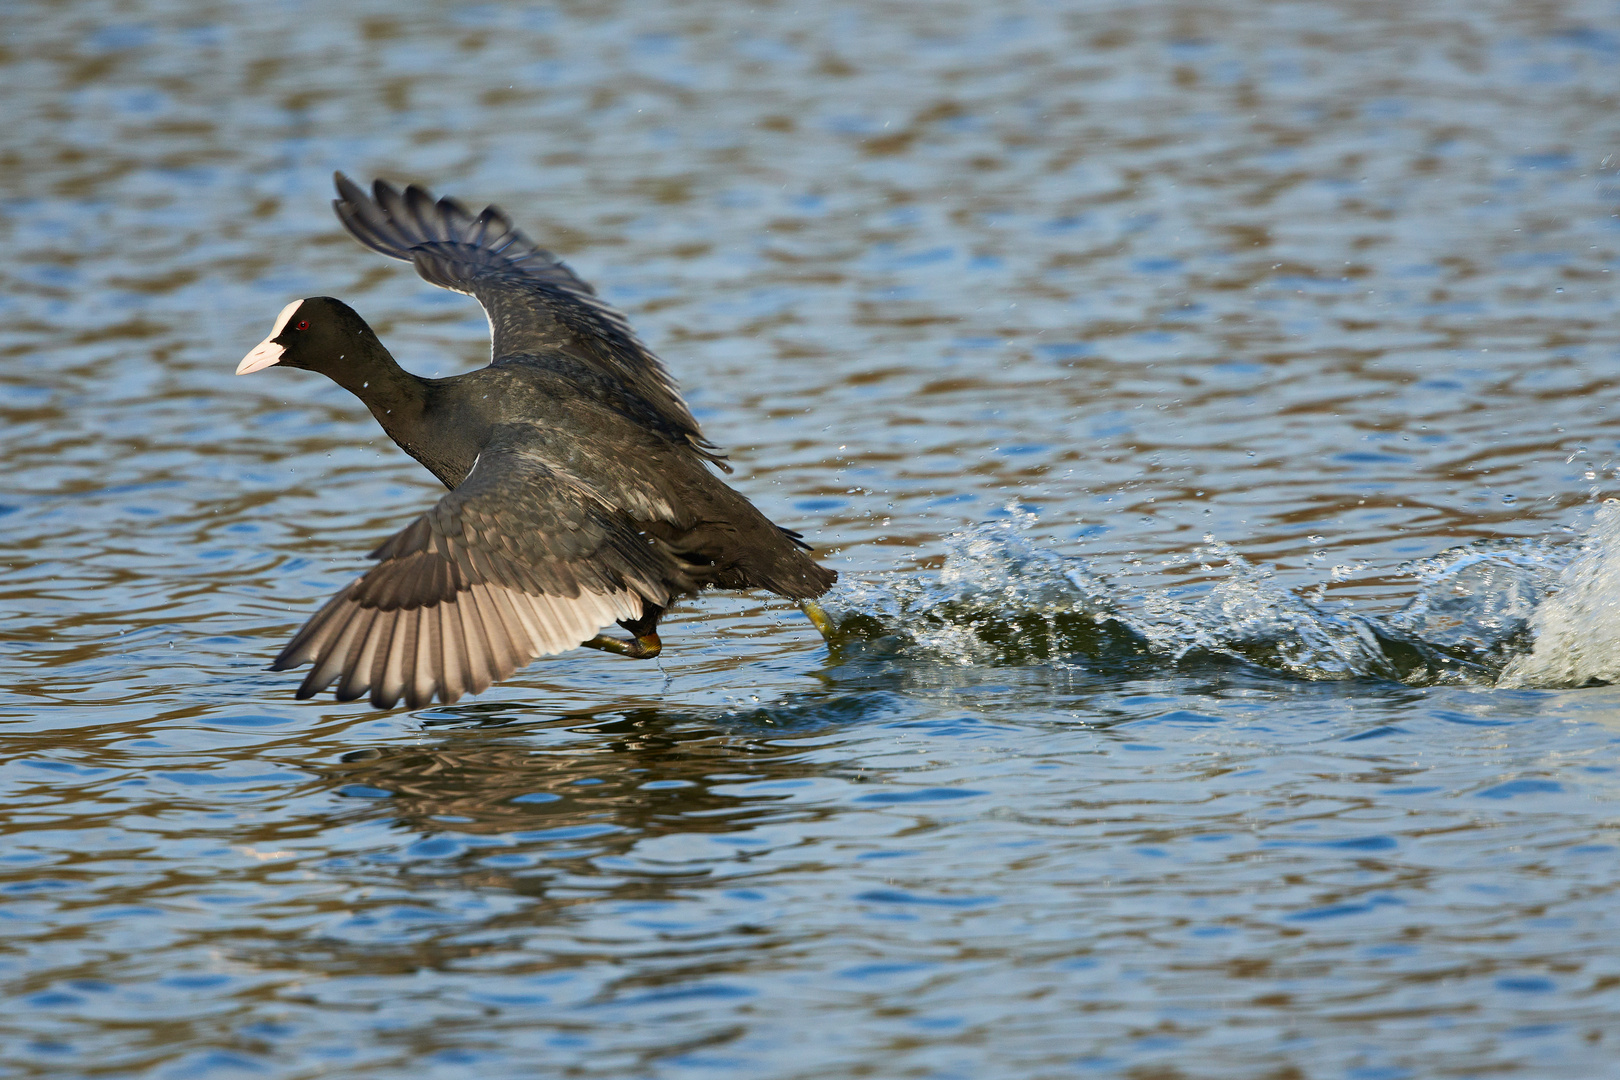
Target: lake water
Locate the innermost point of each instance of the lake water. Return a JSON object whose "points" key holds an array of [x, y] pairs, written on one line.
{"points": [[1209, 407]]}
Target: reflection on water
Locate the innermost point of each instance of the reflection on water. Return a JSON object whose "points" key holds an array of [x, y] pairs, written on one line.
{"points": [[1204, 403], [596, 779]]}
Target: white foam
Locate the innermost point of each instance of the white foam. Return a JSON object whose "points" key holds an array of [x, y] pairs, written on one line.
{"points": [[1577, 629]]}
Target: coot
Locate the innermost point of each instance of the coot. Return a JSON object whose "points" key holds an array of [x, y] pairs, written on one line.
{"points": [[582, 490]]}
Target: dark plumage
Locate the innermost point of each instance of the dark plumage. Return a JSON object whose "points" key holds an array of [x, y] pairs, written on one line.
{"points": [[581, 485]]}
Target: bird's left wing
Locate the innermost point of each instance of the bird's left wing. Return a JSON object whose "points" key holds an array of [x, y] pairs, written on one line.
{"points": [[521, 560]]}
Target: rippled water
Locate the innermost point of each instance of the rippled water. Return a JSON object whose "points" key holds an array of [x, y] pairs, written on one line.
{"points": [[1204, 403]]}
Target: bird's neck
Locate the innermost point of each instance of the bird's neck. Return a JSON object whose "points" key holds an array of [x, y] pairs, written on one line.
{"points": [[399, 400]]}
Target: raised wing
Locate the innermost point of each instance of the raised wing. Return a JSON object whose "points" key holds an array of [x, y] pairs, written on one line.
{"points": [[535, 303], [520, 561]]}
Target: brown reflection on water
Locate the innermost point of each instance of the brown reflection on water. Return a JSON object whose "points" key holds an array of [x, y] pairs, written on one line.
{"points": [[478, 781]]}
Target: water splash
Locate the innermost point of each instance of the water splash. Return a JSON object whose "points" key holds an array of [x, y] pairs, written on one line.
{"points": [[999, 598], [1249, 616], [1576, 630], [1507, 612], [1477, 601]]}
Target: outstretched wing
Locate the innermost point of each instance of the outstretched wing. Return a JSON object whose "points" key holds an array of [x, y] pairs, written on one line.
{"points": [[520, 561], [535, 303]]}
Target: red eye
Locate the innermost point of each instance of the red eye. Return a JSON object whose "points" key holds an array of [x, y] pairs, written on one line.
{"points": [[303, 324]]}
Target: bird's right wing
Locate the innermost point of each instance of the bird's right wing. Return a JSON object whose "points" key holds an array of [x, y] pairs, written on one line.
{"points": [[535, 303], [521, 560]]}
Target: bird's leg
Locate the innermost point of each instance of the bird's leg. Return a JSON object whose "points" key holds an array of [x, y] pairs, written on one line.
{"points": [[644, 646], [609, 644], [818, 617]]}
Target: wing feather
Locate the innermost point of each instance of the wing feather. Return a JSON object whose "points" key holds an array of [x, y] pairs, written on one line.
{"points": [[520, 561], [536, 305], [356, 660], [389, 675], [474, 649], [329, 662]]}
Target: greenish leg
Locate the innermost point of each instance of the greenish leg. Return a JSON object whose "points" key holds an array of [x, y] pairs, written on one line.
{"points": [[642, 647], [818, 617]]}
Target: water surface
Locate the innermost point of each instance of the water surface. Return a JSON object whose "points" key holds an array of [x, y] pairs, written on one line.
{"points": [[1128, 360]]}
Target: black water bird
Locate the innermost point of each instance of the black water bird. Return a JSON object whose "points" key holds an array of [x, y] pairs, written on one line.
{"points": [[581, 487]]}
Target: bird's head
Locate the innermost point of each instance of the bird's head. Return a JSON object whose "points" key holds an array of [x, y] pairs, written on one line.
{"points": [[318, 334]]}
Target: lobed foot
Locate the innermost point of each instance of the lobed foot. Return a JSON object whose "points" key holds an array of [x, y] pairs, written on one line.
{"points": [[641, 647], [818, 617]]}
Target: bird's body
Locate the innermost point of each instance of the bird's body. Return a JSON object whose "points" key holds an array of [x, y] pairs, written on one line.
{"points": [[582, 489]]}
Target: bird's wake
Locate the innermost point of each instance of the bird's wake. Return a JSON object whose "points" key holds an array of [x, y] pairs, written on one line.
{"points": [[1518, 613]]}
